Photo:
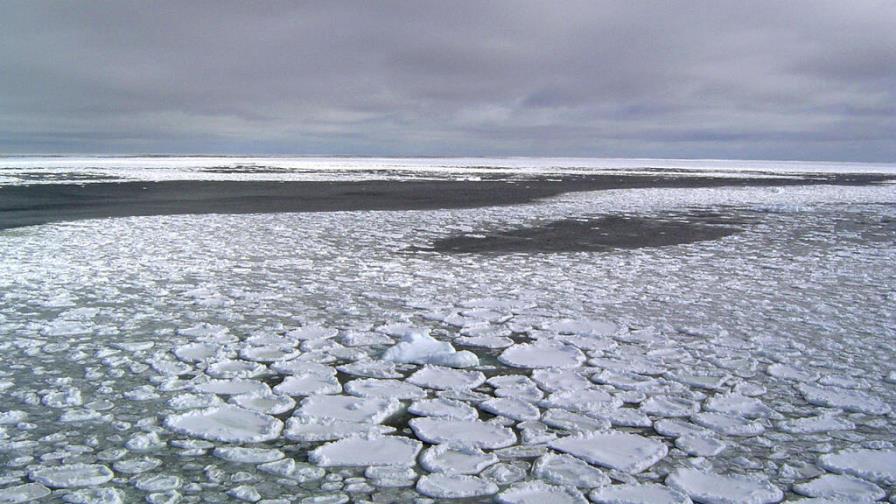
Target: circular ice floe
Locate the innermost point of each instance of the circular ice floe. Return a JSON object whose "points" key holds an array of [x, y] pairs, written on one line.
{"points": [[197, 352], [670, 406], [816, 424], [736, 404], [418, 348], [302, 367], [791, 373], [849, 400], [375, 450], [625, 452], [71, 475], [721, 489], [229, 424], [542, 355], [568, 471], [269, 404], [573, 422], [27, 492], [554, 380], [243, 455], [235, 369], [590, 401], [443, 378], [348, 409], [873, 465], [373, 387], [316, 430], [268, 353], [841, 487], [455, 486], [136, 465], [469, 433], [533, 492], [511, 408], [700, 445], [729, 425], [370, 369], [459, 460], [232, 387], [308, 384], [311, 333], [585, 327], [648, 493], [441, 407]]}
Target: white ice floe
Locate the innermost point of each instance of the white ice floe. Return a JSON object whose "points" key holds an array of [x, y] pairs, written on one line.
{"points": [[71, 475], [700, 445], [391, 477], [302, 367], [370, 369], [816, 424], [729, 425], [367, 451], [837, 486], [244, 455], [665, 406], [197, 352], [311, 333], [347, 409], [737, 404], [290, 469], [456, 459], [268, 353], [846, 399], [443, 378], [468, 433], [26, 492], [554, 380], [585, 327], [589, 401], [233, 387], [455, 486], [418, 348], [374, 387], [308, 384], [873, 465], [229, 424], [622, 451], [635, 493], [269, 404], [536, 492], [441, 407], [136, 465], [316, 430], [788, 372], [542, 355], [573, 422], [512, 408], [233, 368], [567, 470], [712, 488], [493, 342]]}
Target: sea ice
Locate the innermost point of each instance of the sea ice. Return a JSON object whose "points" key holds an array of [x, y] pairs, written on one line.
{"points": [[542, 355], [23, 493], [347, 409], [247, 455], [233, 387], [374, 387], [567, 470], [230, 424], [635, 493], [729, 425], [417, 348], [308, 384], [669, 406], [537, 492], [508, 407], [585, 327], [712, 488], [361, 451], [269, 404], [71, 475], [837, 486], [816, 424], [624, 452], [441, 407], [878, 466], [460, 460], [315, 430], [467, 433], [849, 400], [455, 486], [443, 378]]}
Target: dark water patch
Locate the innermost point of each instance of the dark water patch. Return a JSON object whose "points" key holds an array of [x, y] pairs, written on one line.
{"points": [[594, 235]]}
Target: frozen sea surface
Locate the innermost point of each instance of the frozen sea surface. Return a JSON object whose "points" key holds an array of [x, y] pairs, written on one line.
{"points": [[214, 358]]}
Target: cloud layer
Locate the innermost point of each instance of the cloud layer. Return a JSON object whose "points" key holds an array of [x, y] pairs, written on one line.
{"points": [[765, 79]]}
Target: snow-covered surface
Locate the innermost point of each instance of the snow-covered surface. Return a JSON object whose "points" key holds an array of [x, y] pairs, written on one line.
{"points": [[31, 170], [220, 357]]}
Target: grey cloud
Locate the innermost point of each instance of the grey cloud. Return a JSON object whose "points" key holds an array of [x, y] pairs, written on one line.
{"points": [[765, 79]]}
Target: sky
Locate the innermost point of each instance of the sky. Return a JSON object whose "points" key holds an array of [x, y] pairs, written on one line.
{"points": [[812, 80]]}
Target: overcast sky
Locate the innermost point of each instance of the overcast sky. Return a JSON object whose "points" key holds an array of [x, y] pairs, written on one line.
{"points": [[746, 79]]}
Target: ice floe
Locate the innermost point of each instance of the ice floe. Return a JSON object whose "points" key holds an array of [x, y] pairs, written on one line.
{"points": [[467, 433], [624, 452], [715, 488], [367, 451], [873, 465], [542, 355], [71, 475], [227, 423], [419, 348]]}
